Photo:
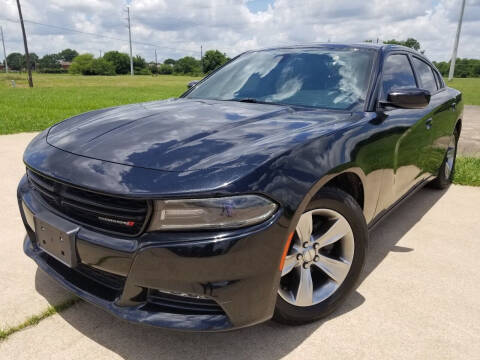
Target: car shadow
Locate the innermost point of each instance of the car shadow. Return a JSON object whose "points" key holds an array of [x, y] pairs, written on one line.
{"points": [[268, 340]]}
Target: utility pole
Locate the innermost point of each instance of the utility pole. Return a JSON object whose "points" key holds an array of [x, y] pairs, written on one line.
{"points": [[156, 62], [201, 57], [27, 55], [4, 52], [130, 40], [455, 46], [100, 53]]}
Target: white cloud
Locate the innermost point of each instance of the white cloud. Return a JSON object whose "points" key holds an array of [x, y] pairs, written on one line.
{"points": [[179, 27]]}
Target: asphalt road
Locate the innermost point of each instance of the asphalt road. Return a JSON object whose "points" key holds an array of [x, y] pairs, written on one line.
{"points": [[419, 296]]}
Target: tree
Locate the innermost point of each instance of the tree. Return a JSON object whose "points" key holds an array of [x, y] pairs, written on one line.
{"points": [[410, 42], [33, 60], [169, 62], [85, 64], [82, 64], [153, 68], [49, 63], [443, 67], [463, 67], [187, 65], [121, 61], [165, 69], [102, 67], [15, 61], [139, 63], [213, 59], [67, 55], [476, 68]]}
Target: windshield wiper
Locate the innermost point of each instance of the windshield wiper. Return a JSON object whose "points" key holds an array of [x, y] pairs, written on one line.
{"points": [[247, 100], [255, 101]]}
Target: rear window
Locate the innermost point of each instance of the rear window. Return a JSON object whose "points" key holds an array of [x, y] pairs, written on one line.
{"points": [[425, 73], [440, 83]]}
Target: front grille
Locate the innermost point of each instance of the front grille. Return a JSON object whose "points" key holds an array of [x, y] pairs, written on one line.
{"points": [[182, 304], [102, 212]]}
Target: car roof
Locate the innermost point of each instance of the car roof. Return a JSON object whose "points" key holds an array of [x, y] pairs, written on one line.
{"points": [[328, 45]]}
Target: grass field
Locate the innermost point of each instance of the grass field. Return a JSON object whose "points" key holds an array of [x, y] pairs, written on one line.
{"points": [[470, 88], [56, 97]]}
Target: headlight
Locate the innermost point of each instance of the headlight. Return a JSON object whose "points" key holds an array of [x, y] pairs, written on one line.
{"points": [[215, 213]]}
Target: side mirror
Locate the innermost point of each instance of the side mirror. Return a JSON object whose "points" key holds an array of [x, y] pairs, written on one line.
{"points": [[411, 98], [192, 83]]}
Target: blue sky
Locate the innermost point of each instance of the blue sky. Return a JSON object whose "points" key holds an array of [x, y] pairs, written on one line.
{"points": [[258, 5]]}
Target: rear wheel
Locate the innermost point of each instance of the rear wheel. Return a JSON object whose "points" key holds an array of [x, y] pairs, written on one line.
{"points": [[325, 258], [446, 171]]}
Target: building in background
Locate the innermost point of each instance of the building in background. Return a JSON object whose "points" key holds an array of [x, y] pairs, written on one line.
{"points": [[65, 64]]}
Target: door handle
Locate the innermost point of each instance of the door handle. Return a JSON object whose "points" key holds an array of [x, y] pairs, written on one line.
{"points": [[428, 123]]}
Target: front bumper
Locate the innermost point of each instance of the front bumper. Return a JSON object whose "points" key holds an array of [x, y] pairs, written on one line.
{"points": [[235, 272]]}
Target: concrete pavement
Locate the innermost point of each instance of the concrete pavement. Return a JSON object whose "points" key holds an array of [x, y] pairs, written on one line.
{"points": [[19, 296], [419, 296], [469, 144]]}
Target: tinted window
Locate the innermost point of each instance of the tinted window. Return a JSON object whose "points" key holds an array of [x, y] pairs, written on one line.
{"points": [[425, 73], [397, 74], [321, 77], [439, 80]]}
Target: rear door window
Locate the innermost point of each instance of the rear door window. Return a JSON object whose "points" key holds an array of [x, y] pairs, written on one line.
{"points": [[439, 80], [425, 73], [397, 74]]}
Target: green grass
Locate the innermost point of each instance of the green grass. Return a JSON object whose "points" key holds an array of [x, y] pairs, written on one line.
{"points": [[35, 319], [470, 87], [56, 97], [59, 96], [467, 171]]}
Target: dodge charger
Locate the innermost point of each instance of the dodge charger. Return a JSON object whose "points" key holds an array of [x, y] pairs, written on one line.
{"points": [[249, 197]]}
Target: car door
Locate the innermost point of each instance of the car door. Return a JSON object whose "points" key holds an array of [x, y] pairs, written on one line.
{"points": [[409, 131], [443, 107]]}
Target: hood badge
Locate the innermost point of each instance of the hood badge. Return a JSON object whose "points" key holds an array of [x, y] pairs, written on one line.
{"points": [[115, 221]]}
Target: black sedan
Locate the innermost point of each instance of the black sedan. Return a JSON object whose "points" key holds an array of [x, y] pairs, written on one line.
{"points": [[250, 196]]}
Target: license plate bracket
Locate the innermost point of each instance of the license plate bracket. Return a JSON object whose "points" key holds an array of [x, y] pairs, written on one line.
{"points": [[56, 236]]}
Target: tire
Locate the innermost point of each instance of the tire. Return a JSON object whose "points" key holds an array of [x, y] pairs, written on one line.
{"points": [[447, 169], [330, 206]]}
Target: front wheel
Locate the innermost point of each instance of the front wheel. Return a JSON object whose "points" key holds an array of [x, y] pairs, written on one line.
{"points": [[325, 259]]}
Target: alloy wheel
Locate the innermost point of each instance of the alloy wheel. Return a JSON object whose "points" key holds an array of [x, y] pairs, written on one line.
{"points": [[319, 258]]}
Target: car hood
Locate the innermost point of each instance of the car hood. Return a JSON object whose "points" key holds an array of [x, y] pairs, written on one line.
{"points": [[190, 134]]}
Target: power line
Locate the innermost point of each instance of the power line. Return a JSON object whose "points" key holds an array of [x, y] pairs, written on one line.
{"points": [[99, 35]]}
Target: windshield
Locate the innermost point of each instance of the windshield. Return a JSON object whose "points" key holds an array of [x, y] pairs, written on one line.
{"points": [[321, 77]]}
